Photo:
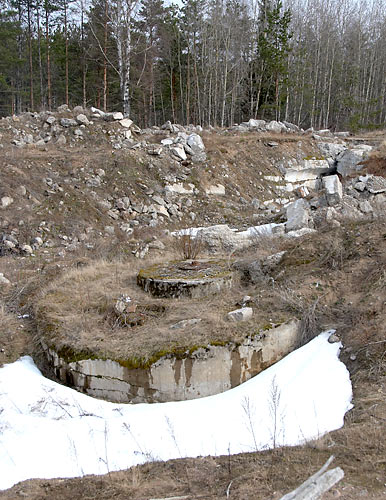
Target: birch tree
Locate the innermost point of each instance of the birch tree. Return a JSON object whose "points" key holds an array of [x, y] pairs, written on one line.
{"points": [[122, 15]]}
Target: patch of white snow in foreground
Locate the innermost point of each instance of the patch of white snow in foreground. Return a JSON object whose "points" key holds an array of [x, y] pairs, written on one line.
{"points": [[48, 430]]}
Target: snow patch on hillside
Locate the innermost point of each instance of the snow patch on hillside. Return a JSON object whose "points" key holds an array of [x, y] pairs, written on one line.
{"points": [[48, 430]]}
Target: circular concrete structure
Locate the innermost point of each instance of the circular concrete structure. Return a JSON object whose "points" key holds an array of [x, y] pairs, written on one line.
{"points": [[192, 279]]}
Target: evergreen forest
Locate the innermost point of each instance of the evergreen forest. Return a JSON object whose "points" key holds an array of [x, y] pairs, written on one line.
{"points": [[314, 63]]}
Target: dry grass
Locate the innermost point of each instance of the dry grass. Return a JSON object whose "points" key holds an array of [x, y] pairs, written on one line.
{"points": [[13, 339], [76, 309]]}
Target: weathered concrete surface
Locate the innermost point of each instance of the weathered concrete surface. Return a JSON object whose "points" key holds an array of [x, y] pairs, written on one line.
{"points": [[186, 279], [206, 371]]}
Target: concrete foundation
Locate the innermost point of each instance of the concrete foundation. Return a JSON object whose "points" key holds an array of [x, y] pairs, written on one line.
{"points": [[204, 372]]}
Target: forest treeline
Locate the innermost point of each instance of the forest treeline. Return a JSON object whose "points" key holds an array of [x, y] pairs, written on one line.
{"points": [[319, 63]]}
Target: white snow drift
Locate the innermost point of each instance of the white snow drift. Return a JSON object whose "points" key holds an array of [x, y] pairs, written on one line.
{"points": [[48, 430]]}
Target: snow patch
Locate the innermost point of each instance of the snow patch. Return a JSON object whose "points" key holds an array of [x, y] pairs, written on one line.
{"points": [[48, 430]]}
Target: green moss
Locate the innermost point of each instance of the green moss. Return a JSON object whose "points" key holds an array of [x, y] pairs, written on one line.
{"points": [[170, 271], [70, 355]]}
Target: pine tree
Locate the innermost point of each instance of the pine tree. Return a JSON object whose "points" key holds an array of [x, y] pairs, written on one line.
{"points": [[274, 48], [10, 63]]}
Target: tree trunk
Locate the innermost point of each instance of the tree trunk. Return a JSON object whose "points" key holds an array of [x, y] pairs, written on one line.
{"points": [[48, 57], [105, 57], [31, 80], [66, 52], [42, 93]]}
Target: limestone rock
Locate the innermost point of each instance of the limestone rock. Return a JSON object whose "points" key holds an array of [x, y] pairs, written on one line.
{"points": [[184, 323], [61, 140], [179, 188], [218, 190], [6, 201], [4, 280], [291, 126], [78, 110], [179, 152], [297, 215], [221, 237], [97, 112], [333, 189], [331, 149], [256, 124], [306, 170], [274, 126], [360, 186], [82, 119], [68, 122], [126, 122], [26, 249], [242, 314], [195, 142], [349, 160], [376, 184], [36, 242], [365, 207], [63, 108]]}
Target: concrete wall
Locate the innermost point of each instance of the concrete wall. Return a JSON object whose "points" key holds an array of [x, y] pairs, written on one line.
{"points": [[205, 372]]}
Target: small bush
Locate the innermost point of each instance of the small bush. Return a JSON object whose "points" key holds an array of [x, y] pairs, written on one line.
{"points": [[189, 246]]}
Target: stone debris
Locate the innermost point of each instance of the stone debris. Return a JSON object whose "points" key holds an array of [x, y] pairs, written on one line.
{"points": [[184, 323], [350, 160], [298, 215], [124, 305], [82, 119], [242, 314], [4, 280], [6, 201], [179, 152], [218, 190], [376, 184], [333, 189]]}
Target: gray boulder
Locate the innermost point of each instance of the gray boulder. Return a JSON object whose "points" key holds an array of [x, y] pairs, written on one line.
{"points": [[82, 119], [275, 126], [331, 149], [297, 215], [68, 122], [256, 124], [349, 160], [376, 184], [194, 141], [333, 189], [63, 108], [242, 314]]}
